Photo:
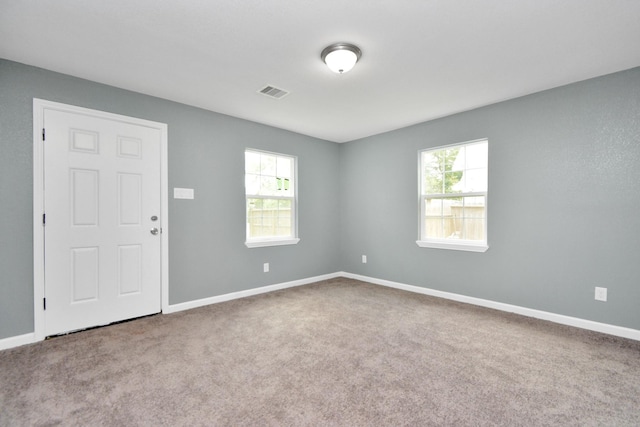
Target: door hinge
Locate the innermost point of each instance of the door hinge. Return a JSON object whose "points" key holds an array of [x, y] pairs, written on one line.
{"points": [[44, 303], [43, 134], [44, 219]]}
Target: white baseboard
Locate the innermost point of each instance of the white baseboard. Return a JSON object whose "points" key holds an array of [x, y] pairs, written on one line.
{"points": [[17, 341], [619, 331], [249, 292]]}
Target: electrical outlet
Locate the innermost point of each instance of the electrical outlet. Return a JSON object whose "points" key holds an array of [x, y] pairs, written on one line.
{"points": [[265, 267], [364, 259], [601, 294]]}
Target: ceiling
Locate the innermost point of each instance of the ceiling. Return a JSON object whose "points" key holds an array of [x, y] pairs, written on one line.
{"points": [[421, 59]]}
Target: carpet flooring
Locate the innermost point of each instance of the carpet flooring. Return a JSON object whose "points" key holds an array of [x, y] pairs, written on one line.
{"points": [[333, 353]]}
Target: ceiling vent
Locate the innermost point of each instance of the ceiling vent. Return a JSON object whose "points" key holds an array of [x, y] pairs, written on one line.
{"points": [[273, 92]]}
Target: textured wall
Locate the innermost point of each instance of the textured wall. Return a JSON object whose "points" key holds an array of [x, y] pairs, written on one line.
{"points": [[564, 205], [207, 255], [563, 199]]}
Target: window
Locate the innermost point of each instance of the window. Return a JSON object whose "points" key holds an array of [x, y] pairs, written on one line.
{"points": [[270, 188], [453, 197]]}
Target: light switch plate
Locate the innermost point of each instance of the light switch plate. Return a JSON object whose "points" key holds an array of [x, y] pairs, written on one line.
{"points": [[183, 193]]}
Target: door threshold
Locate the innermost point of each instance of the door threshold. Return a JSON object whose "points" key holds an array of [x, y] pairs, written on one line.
{"points": [[100, 326]]}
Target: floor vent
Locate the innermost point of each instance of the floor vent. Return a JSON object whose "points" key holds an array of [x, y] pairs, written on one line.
{"points": [[273, 92]]}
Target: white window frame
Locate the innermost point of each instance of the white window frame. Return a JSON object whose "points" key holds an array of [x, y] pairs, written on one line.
{"points": [[460, 245], [259, 242]]}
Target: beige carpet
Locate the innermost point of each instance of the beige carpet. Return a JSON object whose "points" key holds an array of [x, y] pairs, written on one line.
{"points": [[339, 352]]}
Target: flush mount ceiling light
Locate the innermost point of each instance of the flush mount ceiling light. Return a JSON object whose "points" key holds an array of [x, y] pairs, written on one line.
{"points": [[341, 57]]}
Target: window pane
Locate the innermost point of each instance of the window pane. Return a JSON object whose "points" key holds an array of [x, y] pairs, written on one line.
{"points": [[268, 164], [442, 171], [433, 207], [450, 204], [284, 217], [477, 155], [454, 159], [444, 218], [473, 229], [475, 180], [452, 182], [284, 222], [252, 184], [269, 204], [284, 204], [473, 218], [431, 161], [287, 187], [269, 175], [254, 217], [251, 162], [269, 218], [453, 217], [284, 167], [474, 207], [433, 228], [432, 170], [268, 186], [455, 171], [433, 184], [449, 159]]}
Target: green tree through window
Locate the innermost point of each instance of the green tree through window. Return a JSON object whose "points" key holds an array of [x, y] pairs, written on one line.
{"points": [[453, 196], [440, 178]]}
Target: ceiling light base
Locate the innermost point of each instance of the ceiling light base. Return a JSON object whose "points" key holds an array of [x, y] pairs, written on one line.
{"points": [[341, 57]]}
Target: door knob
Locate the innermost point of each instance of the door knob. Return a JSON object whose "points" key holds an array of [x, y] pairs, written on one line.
{"points": [[154, 231]]}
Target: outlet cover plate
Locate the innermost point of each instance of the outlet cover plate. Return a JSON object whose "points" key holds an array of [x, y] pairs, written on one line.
{"points": [[601, 294]]}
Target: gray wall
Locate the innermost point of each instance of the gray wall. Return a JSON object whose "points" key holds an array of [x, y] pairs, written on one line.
{"points": [[207, 255], [564, 202], [563, 199]]}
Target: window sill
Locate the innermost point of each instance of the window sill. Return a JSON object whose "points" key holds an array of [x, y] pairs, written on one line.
{"points": [[457, 246], [270, 242]]}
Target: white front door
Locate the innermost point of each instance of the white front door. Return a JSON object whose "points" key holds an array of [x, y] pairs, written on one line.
{"points": [[102, 225]]}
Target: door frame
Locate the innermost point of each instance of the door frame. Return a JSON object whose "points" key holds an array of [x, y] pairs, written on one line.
{"points": [[39, 108]]}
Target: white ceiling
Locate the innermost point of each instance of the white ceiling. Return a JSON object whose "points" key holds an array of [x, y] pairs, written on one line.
{"points": [[422, 59]]}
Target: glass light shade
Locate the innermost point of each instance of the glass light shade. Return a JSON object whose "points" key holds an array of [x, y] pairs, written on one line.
{"points": [[341, 61], [341, 57]]}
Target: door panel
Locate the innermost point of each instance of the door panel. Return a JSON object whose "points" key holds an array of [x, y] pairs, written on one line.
{"points": [[129, 199], [84, 274], [84, 194], [129, 269], [101, 190]]}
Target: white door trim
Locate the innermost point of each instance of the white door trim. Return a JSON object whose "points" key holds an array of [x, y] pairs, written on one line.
{"points": [[39, 107]]}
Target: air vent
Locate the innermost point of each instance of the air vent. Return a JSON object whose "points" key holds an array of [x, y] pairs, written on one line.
{"points": [[273, 92]]}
